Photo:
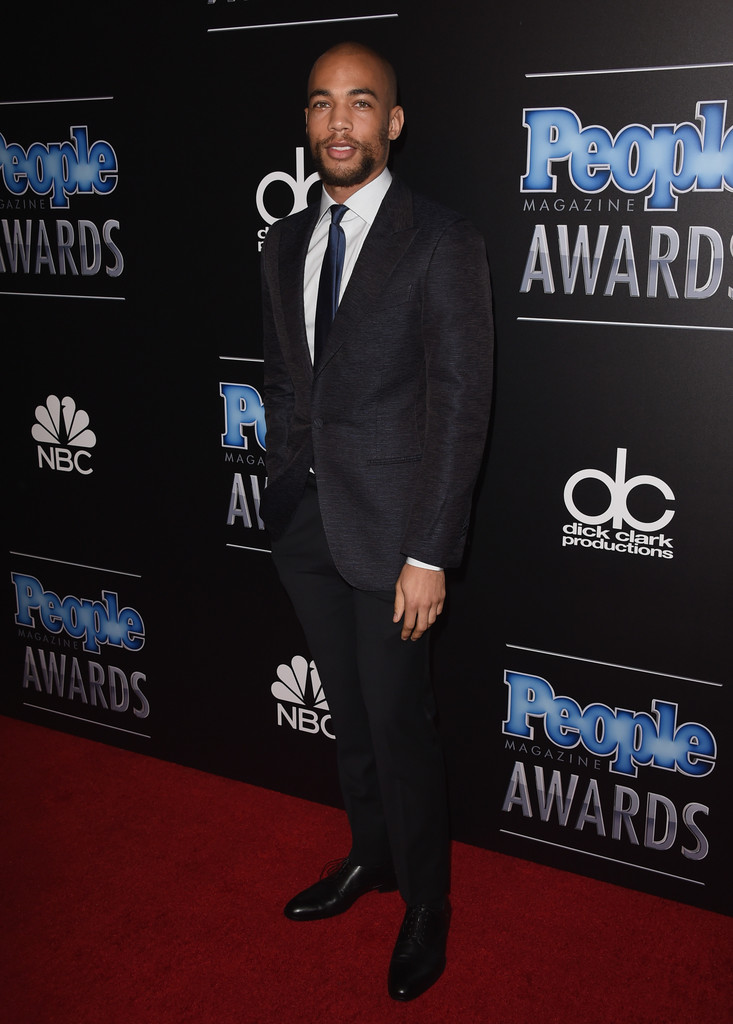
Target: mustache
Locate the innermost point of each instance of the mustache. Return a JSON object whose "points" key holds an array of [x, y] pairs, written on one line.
{"points": [[340, 140]]}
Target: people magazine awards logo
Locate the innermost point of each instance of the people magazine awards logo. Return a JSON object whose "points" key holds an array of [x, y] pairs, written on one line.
{"points": [[664, 163], [64, 436], [50, 176], [615, 528], [597, 737], [68, 641], [243, 441], [301, 702]]}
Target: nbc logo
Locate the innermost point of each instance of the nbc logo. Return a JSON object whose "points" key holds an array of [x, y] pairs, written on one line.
{"points": [[63, 436], [301, 701]]}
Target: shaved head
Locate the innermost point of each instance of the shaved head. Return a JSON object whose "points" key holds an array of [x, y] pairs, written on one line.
{"points": [[349, 49]]}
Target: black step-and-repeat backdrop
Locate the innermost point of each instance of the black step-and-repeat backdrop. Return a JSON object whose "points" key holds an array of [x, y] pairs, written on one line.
{"points": [[582, 663]]}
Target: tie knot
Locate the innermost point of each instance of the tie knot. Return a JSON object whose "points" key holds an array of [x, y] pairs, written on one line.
{"points": [[337, 213]]}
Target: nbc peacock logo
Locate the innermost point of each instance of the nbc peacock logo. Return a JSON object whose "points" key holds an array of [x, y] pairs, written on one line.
{"points": [[64, 436], [301, 702]]}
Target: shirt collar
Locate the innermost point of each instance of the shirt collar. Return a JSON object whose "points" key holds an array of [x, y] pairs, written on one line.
{"points": [[366, 201]]}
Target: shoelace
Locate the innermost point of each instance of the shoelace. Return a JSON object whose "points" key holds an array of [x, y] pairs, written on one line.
{"points": [[335, 867], [415, 924]]}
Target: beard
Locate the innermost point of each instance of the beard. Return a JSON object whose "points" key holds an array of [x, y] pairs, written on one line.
{"points": [[356, 173]]}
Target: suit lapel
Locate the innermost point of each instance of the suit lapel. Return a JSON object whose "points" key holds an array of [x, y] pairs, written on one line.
{"points": [[390, 236], [291, 258]]}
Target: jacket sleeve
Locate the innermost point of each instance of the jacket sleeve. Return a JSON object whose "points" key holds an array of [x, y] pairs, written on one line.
{"points": [[457, 329]]}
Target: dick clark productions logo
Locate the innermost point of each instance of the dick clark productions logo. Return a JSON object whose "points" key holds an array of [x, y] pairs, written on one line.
{"points": [[589, 529]]}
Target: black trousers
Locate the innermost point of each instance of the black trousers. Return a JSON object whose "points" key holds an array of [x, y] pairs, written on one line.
{"points": [[382, 706]]}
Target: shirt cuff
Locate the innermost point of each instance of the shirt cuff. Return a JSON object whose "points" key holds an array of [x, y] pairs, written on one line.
{"points": [[423, 565]]}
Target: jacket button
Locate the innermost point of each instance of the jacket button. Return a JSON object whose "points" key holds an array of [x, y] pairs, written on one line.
{"points": [[318, 422]]}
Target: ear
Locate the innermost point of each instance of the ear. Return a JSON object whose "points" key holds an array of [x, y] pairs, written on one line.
{"points": [[306, 117], [396, 123]]}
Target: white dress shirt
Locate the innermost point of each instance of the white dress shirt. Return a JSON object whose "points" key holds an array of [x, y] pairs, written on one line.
{"points": [[362, 208]]}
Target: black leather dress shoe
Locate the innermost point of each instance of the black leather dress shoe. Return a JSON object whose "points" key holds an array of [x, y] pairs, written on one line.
{"points": [[419, 954], [341, 887]]}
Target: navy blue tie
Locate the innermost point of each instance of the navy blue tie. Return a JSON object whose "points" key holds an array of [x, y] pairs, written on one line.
{"points": [[330, 281]]}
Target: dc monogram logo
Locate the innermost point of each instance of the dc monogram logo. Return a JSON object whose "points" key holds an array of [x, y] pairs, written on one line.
{"points": [[65, 429], [299, 186], [619, 489]]}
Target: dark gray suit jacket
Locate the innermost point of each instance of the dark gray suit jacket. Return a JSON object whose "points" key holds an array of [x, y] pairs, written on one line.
{"points": [[394, 418]]}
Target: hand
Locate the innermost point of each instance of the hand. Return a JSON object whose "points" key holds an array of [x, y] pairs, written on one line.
{"points": [[419, 597]]}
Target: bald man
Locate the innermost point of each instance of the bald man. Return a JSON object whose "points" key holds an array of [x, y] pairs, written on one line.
{"points": [[377, 411]]}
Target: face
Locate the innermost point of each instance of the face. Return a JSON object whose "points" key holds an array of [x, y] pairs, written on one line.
{"points": [[351, 118]]}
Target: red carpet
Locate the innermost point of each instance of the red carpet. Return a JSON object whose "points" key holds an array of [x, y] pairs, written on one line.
{"points": [[140, 891]]}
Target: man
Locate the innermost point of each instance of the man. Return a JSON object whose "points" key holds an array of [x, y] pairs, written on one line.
{"points": [[376, 422]]}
